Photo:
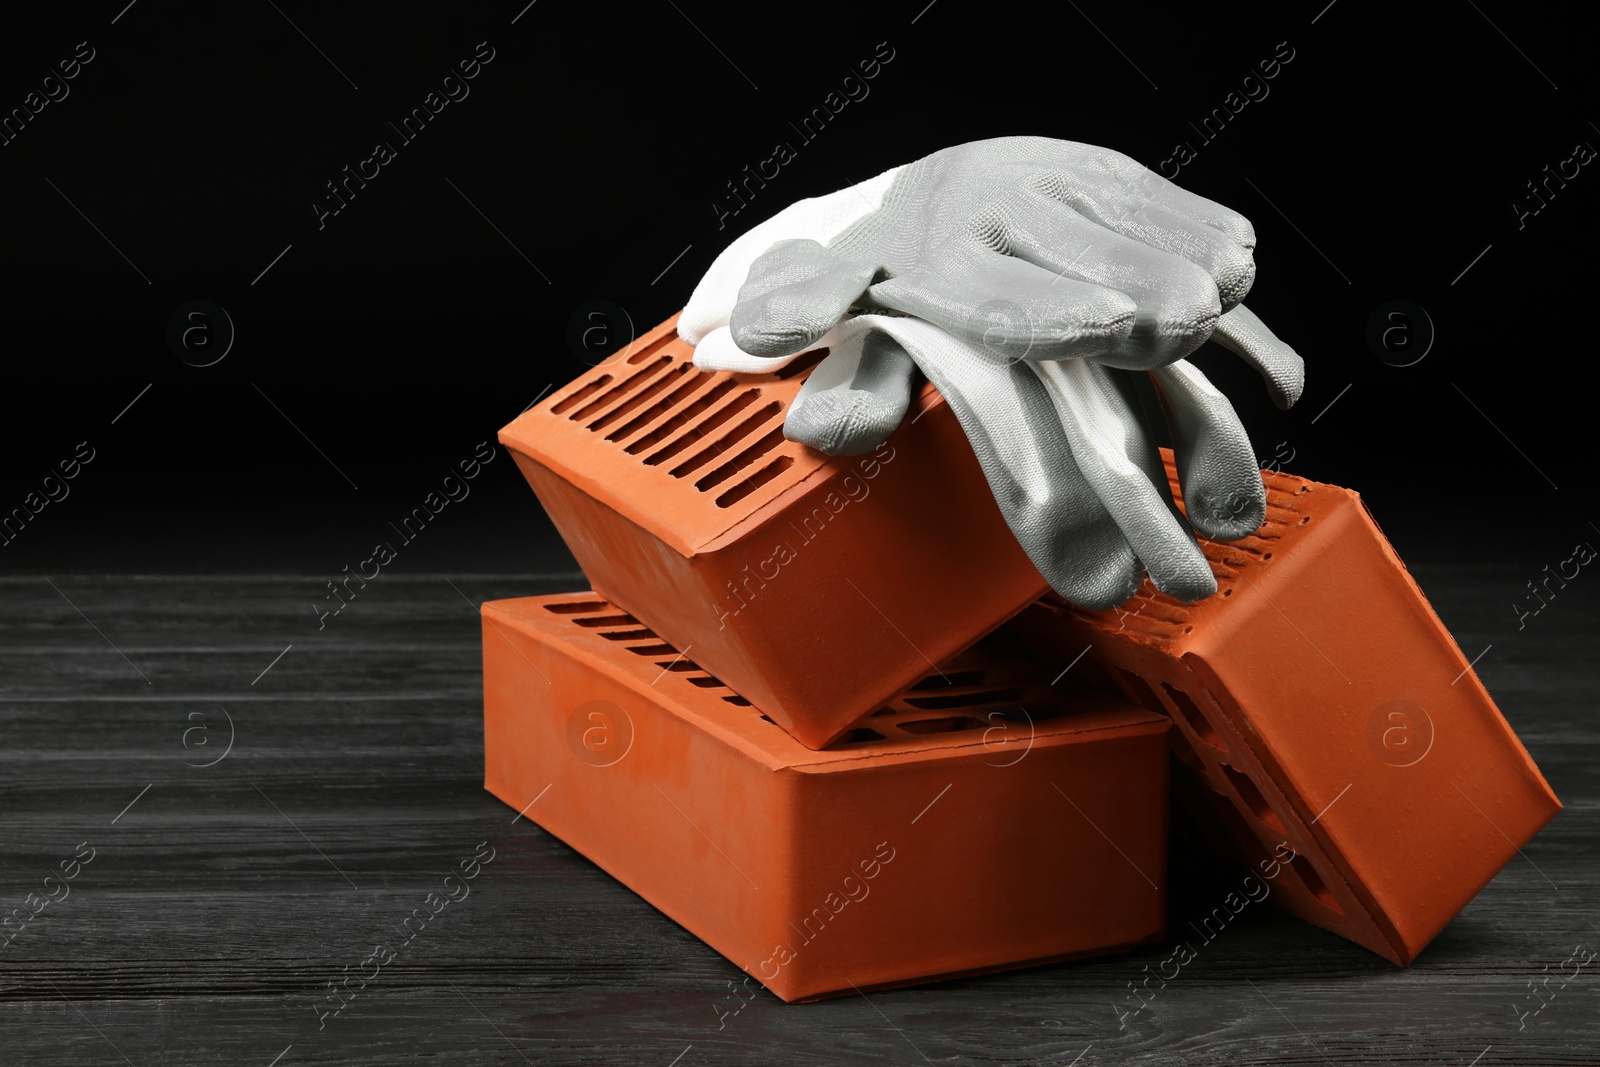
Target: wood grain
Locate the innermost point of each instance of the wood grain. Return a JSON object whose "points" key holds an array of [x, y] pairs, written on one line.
{"points": [[220, 905]]}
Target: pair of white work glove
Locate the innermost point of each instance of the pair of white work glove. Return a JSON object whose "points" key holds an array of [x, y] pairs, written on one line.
{"points": [[1030, 280]]}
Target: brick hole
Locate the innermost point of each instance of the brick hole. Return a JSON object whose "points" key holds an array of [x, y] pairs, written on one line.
{"points": [[599, 622], [667, 403], [1253, 799], [748, 457], [629, 635], [580, 394], [646, 352], [745, 427], [800, 364], [679, 665], [649, 392], [577, 607], [755, 481], [1227, 592], [1314, 883], [859, 735], [1192, 715], [695, 433], [706, 681], [653, 650], [681, 417], [620, 390], [738, 701]]}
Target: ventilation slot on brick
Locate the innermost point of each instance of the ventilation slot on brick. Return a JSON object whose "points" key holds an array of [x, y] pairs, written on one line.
{"points": [[655, 411], [1192, 715], [746, 426], [610, 626], [599, 622], [1250, 794], [643, 396], [801, 363], [696, 433], [748, 458], [623, 389], [653, 650], [628, 635], [1314, 883], [650, 350], [578, 607], [579, 395], [682, 417], [859, 735], [755, 481]]}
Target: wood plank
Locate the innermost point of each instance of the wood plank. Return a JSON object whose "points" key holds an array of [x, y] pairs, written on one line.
{"points": [[222, 902]]}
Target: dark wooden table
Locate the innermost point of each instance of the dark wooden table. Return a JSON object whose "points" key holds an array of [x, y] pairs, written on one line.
{"points": [[223, 899]]}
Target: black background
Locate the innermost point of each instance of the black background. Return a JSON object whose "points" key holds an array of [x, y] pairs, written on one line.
{"points": [[382, 348], [408, 329]]}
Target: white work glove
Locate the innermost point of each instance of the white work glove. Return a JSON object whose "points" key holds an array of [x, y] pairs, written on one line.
{"points": [[1063, 443], [1047, 249]]}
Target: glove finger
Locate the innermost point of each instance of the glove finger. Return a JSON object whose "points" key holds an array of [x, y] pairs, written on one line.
{"points": [[797, 291], [820, 218], [1222, 487], [1246, 336], [1134, 200], [1177, 299], [1013, 309], [1103, 431], [716, 351], [1230, 264], [855, 398], [1113, 175], [1225, 220], [1018, 439], [1144, 186]]}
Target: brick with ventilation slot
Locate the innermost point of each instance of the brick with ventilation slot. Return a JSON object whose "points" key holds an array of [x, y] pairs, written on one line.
{"points": [[1322, 706], [817, 587], [984, 820]]}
